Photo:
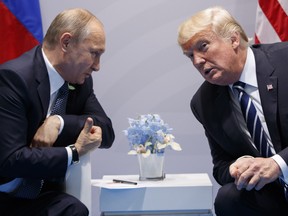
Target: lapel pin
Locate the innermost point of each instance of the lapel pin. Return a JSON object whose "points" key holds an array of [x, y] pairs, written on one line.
{"points": [[269, 87]]}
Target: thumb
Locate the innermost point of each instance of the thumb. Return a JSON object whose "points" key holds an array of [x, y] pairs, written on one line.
{"points": [[88, 125]]}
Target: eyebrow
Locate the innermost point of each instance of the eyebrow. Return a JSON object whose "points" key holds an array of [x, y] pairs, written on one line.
{"points": [[190, 46], [189, 49], [97, 49]]}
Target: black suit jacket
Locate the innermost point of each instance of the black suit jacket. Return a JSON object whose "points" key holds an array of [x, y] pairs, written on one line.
{"points": [[24, 101], [213, 108]]}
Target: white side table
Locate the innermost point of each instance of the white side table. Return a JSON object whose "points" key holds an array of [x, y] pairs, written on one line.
{"points": [[177, 194]]}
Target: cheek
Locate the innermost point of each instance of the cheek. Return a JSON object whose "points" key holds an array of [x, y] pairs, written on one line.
{"points": [[87, 61], [224, 59], [82, 63], [82, 58]]}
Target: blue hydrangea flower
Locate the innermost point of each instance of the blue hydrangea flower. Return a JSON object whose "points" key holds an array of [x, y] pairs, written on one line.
{"points": [[148, 134]]}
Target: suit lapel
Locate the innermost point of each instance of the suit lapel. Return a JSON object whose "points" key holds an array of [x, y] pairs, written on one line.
{"points": [[43, 81], [267, 85], [44, 95], [238, 140]]}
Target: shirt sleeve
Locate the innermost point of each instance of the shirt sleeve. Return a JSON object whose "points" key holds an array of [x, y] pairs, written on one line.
{"points": [[283, 166], [69, 153], [61, 124]]}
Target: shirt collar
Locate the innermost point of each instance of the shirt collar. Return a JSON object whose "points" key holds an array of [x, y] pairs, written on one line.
{"points": [[56, 81], [248, 74]]}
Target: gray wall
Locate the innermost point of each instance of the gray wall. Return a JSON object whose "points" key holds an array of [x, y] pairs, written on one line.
{"points": [[144, 71]]}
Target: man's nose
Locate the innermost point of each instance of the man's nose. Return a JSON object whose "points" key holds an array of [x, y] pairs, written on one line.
{"points": [[96, 65], [198, 60]]}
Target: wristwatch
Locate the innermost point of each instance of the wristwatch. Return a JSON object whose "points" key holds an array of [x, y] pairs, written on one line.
{"points": [[75, 156]]}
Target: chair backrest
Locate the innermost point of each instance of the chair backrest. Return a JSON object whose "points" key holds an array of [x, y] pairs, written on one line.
{"points": [[78, 181]]}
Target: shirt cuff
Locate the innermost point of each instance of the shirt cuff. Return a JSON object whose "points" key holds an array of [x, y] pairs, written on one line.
{"points": [[283, 166], [61, 124], [69, 153]]}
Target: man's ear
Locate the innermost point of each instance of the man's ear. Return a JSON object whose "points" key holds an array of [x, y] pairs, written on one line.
{"points": [[65, 40], [235, 40]]}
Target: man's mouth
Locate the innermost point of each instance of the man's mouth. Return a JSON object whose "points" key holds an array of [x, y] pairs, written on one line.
{"points": [[207, 71]]}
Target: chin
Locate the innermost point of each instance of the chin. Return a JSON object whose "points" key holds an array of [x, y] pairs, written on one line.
{"points": [[81, 82]]}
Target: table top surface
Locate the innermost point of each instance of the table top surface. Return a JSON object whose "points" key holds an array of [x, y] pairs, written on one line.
{"points": [[171, 180]]}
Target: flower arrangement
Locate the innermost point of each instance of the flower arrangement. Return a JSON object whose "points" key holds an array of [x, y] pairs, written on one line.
{"points": [[148, 134]]}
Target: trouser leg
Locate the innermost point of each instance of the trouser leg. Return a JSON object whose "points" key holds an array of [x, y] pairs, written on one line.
{"points": [[51, 203]]}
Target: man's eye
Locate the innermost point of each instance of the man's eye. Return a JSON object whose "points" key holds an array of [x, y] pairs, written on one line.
{"points": [[203, 46], [95, 53], [189, 55]]}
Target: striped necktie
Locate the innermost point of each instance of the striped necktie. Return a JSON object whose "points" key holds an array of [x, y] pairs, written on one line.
{"points": [[252, 120]]}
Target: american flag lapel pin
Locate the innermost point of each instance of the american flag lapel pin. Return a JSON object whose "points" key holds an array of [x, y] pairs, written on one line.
{"points": [[269, 87]]}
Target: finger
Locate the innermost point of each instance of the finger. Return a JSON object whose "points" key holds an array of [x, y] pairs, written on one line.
{"points": [[253, 182], [88, 125], [260, 185], [243, 168], [234, 173], [233, 169], [238, 171], [96, 129], [241, 185], [242, 181], [97, 134]]}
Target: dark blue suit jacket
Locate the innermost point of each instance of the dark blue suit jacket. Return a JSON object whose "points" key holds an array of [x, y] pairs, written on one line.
{"points": [[213, 108], [24, 100]]}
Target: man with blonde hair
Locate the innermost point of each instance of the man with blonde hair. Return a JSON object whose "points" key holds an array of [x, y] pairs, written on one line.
{"points": [[50, 117], [243, 108]]}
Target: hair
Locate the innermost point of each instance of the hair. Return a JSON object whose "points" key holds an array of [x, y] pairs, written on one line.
{"points": [[216, 19], [75, 21]]}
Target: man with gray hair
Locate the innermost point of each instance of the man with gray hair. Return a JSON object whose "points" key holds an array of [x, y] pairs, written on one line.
{"points": [[50, 117]]}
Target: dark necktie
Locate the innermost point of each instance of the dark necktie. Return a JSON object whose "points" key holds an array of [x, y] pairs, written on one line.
{"points": [[252, 120], [255, 127], [59, 107]]}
